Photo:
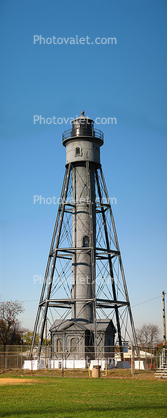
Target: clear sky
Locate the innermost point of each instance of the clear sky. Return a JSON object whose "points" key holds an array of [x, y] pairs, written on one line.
{"points": [[126, 80]]}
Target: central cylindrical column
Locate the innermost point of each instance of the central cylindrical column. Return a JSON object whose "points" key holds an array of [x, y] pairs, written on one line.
{"points": [[83, 196]]}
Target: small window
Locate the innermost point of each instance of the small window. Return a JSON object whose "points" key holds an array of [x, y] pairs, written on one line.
{"points": [[73, 345], [86, 241], [59, 345], [77, 151]]}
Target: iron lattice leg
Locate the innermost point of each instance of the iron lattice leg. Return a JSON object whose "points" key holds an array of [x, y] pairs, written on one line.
{"points": [[121, 265], [59, 214], [110, 267]]}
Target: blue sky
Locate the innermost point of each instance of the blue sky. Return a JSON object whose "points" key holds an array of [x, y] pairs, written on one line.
{"points": [[127, 81]]}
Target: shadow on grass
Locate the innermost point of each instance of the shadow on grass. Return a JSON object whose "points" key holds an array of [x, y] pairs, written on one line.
{"points": [[69, 411]]}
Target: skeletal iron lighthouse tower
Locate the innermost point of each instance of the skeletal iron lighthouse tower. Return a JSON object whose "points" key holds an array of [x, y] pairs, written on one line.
{"points": [[84, 288]]}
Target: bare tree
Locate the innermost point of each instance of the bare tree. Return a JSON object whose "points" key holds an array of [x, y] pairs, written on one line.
{"points": [[10, 328], [148, 335]]}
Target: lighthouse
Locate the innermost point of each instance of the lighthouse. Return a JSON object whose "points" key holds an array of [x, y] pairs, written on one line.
{"points": [[84, 287]]}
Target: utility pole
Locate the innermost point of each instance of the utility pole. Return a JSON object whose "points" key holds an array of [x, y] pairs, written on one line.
{"points": [[164, 328]]}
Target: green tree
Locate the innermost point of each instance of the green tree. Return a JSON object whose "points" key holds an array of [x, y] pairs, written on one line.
{"points": [[27, 338]]}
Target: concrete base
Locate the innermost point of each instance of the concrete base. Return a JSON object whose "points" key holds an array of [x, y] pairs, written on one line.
{"points": [[67, 364], [139, 365], [79, 364], [34, 364]]}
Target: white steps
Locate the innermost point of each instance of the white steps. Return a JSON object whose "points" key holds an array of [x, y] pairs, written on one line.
{"points": [[162, 372]]}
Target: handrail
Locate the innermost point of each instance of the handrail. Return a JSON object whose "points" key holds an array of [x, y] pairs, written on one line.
{"points": [[84, 132]]}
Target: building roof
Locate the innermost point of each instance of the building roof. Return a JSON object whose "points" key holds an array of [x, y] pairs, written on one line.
{"points": [[102, 325]]}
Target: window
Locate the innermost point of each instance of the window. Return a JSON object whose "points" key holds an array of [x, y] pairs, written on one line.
{"points": [[77, 151], [59, 345], [85, 241], [73, 345]]}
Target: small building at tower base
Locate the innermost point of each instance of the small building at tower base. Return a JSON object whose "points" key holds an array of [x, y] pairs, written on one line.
{"points": [[74, 340]]}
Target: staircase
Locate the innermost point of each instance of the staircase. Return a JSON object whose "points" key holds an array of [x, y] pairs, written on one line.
{"points": [[162, 371]]}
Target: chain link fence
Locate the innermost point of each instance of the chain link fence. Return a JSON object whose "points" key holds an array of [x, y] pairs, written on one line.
{"points": [[13, 357]]}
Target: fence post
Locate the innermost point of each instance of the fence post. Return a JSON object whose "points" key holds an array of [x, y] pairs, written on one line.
{"points": [[6, 362], [157, 361], [106, 369], [62, 368], [31, 364], [21, 358], [132, 363], [146, 359], [17, 359], [139, 358], [151, 358]]}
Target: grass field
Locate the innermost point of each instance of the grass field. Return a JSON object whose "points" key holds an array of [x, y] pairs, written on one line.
{"points": [[82, 397]]}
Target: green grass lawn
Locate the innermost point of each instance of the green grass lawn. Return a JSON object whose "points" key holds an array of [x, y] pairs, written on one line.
{"points": [[69, 397]]}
